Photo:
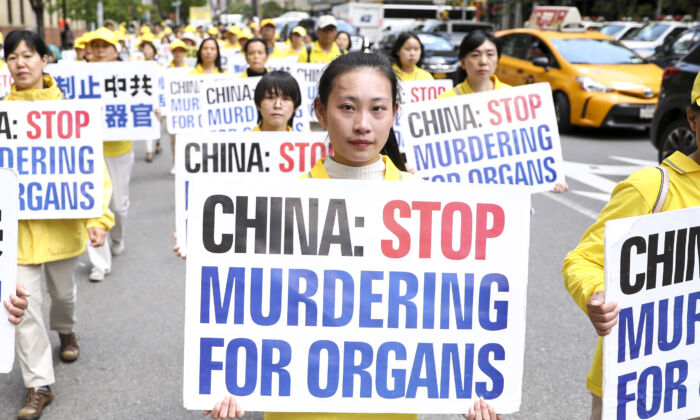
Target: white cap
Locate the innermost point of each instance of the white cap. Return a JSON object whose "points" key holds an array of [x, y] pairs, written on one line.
{"points": [[326, 20]]}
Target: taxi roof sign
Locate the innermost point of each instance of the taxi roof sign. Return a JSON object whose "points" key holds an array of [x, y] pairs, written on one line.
{"points": [[558, 18]]}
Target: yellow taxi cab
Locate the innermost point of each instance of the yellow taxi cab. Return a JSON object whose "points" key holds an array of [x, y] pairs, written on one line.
{"points": [[596, 81]]}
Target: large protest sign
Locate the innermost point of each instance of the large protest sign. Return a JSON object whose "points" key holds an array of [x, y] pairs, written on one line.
{"points": [[418, 91], [128, 92], [8, 263], [505, 136], [219, 155], [308, 76], [651, 358], [56, 148], [355, 296]]}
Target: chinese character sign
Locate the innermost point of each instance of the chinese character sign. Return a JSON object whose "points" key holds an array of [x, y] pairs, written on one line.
{"points": [[651, 358], [56, 148], [326, 295], [128, 94], [8, 263]]}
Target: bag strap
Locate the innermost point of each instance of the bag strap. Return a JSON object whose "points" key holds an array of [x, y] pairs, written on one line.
{"points": [[663, 190], [308, 53]]}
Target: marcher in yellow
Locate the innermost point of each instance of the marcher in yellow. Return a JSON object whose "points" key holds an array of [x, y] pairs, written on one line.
{"points": [[119, 158], [407, 55], [325, 49], [256, 57], [208, 58], [297, 46], [635, 196], [277, 98], [232, 38], [52, 244], [178, 49]]}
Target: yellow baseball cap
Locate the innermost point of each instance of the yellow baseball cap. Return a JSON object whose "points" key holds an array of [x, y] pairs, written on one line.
{"points": [[266, 22], [246, 34], [104, 34], [167, 30], [190, 28], [145, 29], [177, 44], [147, 37], [695, 93], [79, 42], [299, 30], [213, 31], [234, 30]]}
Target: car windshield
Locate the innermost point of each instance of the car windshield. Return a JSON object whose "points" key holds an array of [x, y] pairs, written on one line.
{"points": [[595, 51], [651, 32], [611, 28], [434, 43]]}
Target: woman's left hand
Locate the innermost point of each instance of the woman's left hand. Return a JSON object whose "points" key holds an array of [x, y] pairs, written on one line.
{"points": [[561, 187], [17, 304], [482, 411]]}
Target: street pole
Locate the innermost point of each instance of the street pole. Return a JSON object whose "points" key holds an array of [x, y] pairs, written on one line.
{"points": [[100, 17]]}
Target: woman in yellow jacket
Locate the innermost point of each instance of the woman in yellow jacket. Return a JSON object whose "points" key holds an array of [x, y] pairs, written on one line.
{"points": [[357, 95], [256, 56], [52, 244], [208, 58], [407, 55], [635, 196], [277, 98], [119, 158]]}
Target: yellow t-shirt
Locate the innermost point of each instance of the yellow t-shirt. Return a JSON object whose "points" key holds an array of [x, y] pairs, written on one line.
{"points": [[464, 88], [257, 128], [318, 55], [635, 196], [418, 74], [199, 70]]}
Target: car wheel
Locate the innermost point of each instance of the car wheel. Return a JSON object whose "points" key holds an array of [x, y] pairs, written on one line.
{"points": [[563, 111], [677, 137]]}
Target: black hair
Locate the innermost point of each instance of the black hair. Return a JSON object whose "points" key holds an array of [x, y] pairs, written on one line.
{"points": [[252, 40], [358, 60], [472, 41], [398, 44], [31, 39], [278, 83], [217, 62], [349, 39], [149, 43]]}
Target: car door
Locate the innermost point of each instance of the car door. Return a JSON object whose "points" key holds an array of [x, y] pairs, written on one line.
{"points": [[510, 65]]}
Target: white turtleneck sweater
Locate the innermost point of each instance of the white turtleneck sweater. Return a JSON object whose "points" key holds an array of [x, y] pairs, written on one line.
{"points": [[339, 171]]}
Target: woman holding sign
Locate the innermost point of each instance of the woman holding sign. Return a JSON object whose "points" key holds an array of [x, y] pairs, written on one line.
{"points": [[54, 245], [357, 102], [407, 55], [277, 98], [255, 52], [208, 58], [641, 193]]}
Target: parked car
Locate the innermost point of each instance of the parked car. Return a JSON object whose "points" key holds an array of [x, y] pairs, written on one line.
{"points": [[620, 29], [653, 35], [455, 30], [595, 80], [671, 51], [439, 58], [669, 127]]}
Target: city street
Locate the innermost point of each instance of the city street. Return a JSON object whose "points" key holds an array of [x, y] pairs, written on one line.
{"points": [[130, 326]]}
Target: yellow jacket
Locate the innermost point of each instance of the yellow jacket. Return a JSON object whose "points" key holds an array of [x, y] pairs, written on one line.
{"points": [[257, 128], [391, 173], [635, 196], [318, 55], [464, 88], [40, 241], [199, 70], [418, 74]]}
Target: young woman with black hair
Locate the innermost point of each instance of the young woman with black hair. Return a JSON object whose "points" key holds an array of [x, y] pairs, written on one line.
{"points": [[277, 98], [256, 56], [208, 58], [407, 55]]}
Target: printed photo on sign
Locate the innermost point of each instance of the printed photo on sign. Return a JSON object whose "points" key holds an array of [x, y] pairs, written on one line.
{"points": [[651, 362], [506, 136], [328, 295], [56, 149], [417, 91], [128, 92], [8, 263], [218, 155]]}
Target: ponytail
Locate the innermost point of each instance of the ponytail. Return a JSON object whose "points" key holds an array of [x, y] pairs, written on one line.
{"points": [[391, 149]]}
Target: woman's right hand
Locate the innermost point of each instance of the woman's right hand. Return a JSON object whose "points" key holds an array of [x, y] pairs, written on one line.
{"points": [[176, 247], [482, 411], [228, 408]]}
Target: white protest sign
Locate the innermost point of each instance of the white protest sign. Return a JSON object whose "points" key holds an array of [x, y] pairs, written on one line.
{"points": [[8, 263], [184, 98], [128, 92], [505, 136], [308, 76], [651, 358], [355, 296], [5, 80], [232, 61], [212, 155], [56, 148], [418, 91]]}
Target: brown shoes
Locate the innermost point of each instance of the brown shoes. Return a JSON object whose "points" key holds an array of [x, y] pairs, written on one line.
{"points": [[34, 403], [69, 347]]}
